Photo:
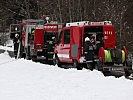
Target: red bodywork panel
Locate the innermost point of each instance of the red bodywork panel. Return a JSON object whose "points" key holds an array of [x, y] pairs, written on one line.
{"points": [[101, 54], [126, 53], [39, 38], [109, 37], [75, 43], [23, 38]]}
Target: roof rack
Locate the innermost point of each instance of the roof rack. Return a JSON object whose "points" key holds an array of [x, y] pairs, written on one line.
{"points": [[33, 21], [82, 23], [101, 23]]}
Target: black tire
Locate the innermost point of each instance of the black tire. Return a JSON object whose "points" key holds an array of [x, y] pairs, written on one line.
{"points": [[91, 66], [106, 73], [34, 58], [56, 61], [127, 74], [76, 65], [129, 63]]}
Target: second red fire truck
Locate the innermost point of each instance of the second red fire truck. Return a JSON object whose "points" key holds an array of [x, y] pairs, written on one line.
{"points": [[34, 39], [103, 54]]}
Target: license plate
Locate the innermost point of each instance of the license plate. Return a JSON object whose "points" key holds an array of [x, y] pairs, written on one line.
{"points": [[117, 69]]}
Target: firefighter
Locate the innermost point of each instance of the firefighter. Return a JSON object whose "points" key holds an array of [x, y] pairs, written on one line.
{"points": [[93, 40], [47, 19], [51, 50], [99, 44], [16, 44], [88, 49]]}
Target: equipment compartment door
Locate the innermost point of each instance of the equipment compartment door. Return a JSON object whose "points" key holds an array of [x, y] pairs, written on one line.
{"points": [[109, 37], [75, 43]]}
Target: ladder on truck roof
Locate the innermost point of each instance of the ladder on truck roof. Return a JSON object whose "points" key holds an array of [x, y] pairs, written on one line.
{"points": [[39, 21], [82, 23]]}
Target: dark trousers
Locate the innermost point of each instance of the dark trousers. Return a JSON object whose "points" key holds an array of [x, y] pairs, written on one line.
{"points": [[89, 55], [16, 45]]}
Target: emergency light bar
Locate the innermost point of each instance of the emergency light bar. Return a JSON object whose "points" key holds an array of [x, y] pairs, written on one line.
{"points": [[77, 23], [107, 22], [101, 23], [96, 23]]}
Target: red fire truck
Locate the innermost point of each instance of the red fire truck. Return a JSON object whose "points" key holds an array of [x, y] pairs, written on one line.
{"points": [[20, 33], [44, 41], [105, 56], [36, 39]]}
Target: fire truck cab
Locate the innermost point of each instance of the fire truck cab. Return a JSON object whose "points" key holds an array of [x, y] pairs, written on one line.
{"points": [[70, 47]]}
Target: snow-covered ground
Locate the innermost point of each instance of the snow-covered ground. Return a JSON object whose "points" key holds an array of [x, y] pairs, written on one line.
{"points": [[9, 46], [26, 80], [6, 48]]}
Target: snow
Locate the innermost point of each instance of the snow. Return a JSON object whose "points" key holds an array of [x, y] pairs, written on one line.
{"points": [[26, 80], [6, 48], [9, 43], [5, 58]]}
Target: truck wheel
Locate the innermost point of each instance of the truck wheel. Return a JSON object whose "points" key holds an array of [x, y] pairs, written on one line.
{"points": [[128, 64], [56, 61], [34, 58], [106, 73], [91, 66], [127, 73], [76, 65]]}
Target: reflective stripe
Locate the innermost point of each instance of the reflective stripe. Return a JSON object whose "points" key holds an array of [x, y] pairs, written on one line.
{"points": [[107, 56], [63, 55], [50, 52], [50, 59], [123, 56]]}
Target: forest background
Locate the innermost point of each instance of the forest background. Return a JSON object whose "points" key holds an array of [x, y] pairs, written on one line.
{"points": [[120, 12]]}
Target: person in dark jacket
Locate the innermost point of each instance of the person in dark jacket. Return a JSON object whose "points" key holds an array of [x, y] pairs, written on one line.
{"points": [[16, 44], [50, 49], [88, 49]]}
